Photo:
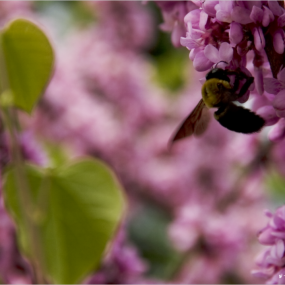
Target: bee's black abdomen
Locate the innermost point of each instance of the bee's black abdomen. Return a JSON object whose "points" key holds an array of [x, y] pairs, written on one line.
{"points": [[239, 119]]}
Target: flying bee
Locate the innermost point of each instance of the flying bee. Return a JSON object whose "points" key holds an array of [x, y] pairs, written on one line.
{"points": [[217, 92]]}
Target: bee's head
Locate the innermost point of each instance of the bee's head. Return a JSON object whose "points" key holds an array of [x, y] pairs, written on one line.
{"points": [[218, 73]]}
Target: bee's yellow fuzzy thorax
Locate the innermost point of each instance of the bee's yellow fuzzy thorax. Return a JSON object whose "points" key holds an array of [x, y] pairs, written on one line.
{"points": [[213, 92]]}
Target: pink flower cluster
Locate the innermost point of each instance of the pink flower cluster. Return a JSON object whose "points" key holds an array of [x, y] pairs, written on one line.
{"points": [[238, 34], [271, 261], [235, 27], [275, 108]]}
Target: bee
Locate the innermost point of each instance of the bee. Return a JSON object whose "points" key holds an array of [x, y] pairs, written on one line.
{"points": [[217, 92]]}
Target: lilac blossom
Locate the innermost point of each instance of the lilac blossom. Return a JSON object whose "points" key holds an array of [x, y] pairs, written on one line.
{"points": [[173, 13], [135, 35], [277, 133], [214, 247], [277, 87], [223, 55], [268, 113], [233, 28], [271, 261]]}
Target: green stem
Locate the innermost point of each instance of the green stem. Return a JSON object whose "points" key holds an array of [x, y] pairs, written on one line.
{"points": [[26, 206]]}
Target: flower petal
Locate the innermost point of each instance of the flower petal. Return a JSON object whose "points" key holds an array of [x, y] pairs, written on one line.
{"points": [[279, 101], [281, 21], [272, 85], [201, 63], [250, 4], [256, 14], [277, 133], [203, 20], [280, 248], [267, 17], [281, 76], [193, 17], [226, 52], [194, 52], [265, 236], [259, 41], [196, 34], [263, 273], [212, 53], [227, 5], [278, 234], [280, 113], [235, 33], [177, 32], [209, 7], [278, 41], [275, 8], [188, 42], [241, 15], [268, 113], [224, 16]]}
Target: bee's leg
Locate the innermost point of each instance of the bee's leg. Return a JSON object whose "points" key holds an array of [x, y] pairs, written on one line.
{"points": [[246, 85], [240, 76]]}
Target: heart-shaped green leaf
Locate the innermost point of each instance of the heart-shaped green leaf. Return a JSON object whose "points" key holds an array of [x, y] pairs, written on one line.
{"points": [[76, 211], [28, 62]]}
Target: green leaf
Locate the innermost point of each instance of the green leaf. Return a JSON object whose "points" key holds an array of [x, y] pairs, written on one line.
{"points": [[28, 62], [77, 210]]}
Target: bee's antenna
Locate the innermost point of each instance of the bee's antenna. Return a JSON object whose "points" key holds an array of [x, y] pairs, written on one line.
{"points": [[215, 66]]}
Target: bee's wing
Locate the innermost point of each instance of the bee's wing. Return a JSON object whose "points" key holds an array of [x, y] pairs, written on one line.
{"points": [[196, 123], [239, 119]]}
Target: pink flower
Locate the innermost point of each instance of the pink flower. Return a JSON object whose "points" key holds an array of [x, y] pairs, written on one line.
{"points": [[225, 53], [235, 33], [277, 87], [272, 260], [268, 113], [173, 13], [277, 133]]}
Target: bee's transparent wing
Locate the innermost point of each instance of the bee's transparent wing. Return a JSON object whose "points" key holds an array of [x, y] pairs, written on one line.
{"points": [[239, 119], [196, 123]]}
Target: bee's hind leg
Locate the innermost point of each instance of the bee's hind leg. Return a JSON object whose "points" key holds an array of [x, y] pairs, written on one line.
{"points": [[246, 85], [240, 76]]}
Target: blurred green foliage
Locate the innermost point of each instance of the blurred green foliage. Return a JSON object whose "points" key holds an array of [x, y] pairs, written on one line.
{"points": [[148, 231], [275, 183], [64, 16], [76, 11], [171, 64]]}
